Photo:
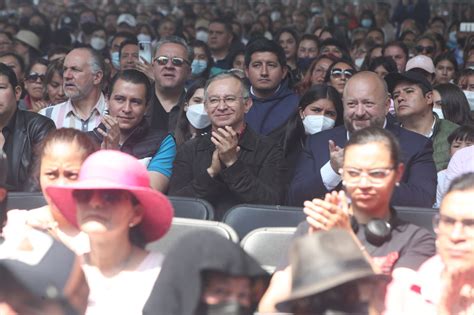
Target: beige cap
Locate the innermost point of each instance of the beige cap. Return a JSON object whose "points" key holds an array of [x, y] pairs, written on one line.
{"points": [[421, 62], [28, 38]]}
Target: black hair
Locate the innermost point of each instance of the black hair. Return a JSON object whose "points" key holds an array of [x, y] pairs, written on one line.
{"points": [[334, 42], [18, 58], [398, 44], [312, 37], [135, 77], [294, 130], [124, 34], [439, 19], [38, 61], [58, 50], [462, 133], [54, 66], [207, 51], [126, 42], [454, 104], [376, 134], [264, 45], [225, 22], [289, 30], [464, 182], [10, 74], [387, 62], [447, 56]]}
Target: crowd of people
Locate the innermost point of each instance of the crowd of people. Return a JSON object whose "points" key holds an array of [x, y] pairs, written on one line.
{"points": [[346, 110]]}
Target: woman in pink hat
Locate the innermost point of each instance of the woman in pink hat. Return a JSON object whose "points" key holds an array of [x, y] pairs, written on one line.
{"points": [[112, 203]]}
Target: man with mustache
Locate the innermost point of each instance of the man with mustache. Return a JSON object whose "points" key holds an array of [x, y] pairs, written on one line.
{"points": [[366, 103], [82, 82]]}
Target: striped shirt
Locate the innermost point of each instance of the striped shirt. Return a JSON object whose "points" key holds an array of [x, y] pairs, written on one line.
{"points": [[64, 115]]}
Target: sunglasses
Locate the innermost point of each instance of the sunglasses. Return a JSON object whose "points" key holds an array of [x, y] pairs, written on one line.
{"points": [[176, 61], [107, 196], [338, 73], [33, 77], [427, 49]]}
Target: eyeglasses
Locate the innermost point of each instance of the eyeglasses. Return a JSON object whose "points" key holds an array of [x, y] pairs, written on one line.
{"points": [[338, 73], [33, 77], [445, 224], [376, 176], [229, 100], [108, 196], [427, 49], [176, 61]]}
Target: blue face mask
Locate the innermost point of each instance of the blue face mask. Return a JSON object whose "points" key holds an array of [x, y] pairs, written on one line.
{"points": [[304, 63], [198, 66], [366, 23], [115, 58]]}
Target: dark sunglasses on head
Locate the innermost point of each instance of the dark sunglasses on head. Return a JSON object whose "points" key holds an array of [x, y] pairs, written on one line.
{"points": [[427, 49], [108, 196], [32, 77], [338, 73], [176, 61]]}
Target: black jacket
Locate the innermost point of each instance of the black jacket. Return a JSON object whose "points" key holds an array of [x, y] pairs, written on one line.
{"points": [[143, 142], [258, 176], [22, 134]]}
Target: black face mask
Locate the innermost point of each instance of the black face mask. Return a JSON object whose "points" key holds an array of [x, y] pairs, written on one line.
{"points": [[304, 63], [224, 308], [462, 41]]}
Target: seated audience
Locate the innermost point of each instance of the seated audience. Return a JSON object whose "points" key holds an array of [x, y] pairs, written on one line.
{"points": [[366, 103], [207, 274], [371, 169], [61, 155], [461, 163], [443, 284], [338, 73], [127, 130], [450, 103], [423, 65], [193, 119], [112, 203], [341, 280], [232, 164], [21, 132], [413, 97], [383, 66], [273, 101]]}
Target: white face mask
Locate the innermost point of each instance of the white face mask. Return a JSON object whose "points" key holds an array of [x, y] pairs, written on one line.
{"points": [[358, 62], [470, 98], [439, 112], [316, 123], [202, 36], [98, 43], [143, 38], [197, 116]]}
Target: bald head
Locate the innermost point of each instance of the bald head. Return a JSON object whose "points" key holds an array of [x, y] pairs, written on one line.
{"points": [[366, 101]]}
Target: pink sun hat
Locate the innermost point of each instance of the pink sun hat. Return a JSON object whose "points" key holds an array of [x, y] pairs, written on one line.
{"points": [[110, 169]]}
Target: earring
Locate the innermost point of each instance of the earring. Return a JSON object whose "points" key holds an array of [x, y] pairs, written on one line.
{"points": [[131, 225], [397, 184], [344, 183]]}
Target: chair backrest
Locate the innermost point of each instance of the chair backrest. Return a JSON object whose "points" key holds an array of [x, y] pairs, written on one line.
{"points": [[192, 208], [245, 218], [181, 226], [268, 245], [419, 216], [25, 201]]}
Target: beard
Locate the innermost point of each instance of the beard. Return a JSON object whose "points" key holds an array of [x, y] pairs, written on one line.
{"points": [[353, 125]]}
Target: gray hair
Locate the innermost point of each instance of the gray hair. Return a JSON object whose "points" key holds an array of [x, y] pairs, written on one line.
{"points": [[175, 40], [244, 90]]}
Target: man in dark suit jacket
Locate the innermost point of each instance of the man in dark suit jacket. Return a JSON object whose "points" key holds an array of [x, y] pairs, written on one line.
{"points": [[366, 103]]}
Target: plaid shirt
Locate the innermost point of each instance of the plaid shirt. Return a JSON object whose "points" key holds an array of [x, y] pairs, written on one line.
{"points": [[65, 116]]}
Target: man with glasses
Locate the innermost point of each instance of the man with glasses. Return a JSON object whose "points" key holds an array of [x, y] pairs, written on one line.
{"points": [[232, 164], [366, 103], [445, 283], [273, 101], [413, 98], [82, 82], [171, 67]]}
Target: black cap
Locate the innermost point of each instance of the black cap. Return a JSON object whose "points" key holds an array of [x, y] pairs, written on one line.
{"points": [[393, 79]]}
